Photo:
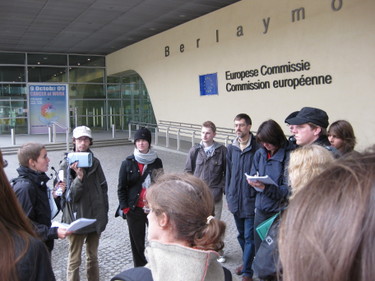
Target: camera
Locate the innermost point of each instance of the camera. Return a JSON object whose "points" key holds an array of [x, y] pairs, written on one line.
{"points": [[84, 159]]}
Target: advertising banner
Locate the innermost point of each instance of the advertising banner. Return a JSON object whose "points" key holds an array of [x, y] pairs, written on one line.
{"points": [[48, 104]]}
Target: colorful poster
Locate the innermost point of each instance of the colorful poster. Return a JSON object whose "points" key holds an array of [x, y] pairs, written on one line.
{"points": [[48, 104]]}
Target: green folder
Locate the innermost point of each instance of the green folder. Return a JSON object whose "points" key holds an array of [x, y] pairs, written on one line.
{"points": [[263, 228]]}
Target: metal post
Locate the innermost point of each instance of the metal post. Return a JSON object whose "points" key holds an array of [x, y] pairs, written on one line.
{"points": [[53, 133], [156, 136], [113, 131], [130, 130], [87, 117], [226, 141], [192, 138], [49, 134], [75, 117], [67, 139], [167, 137], [178, 140], [12, 137], [102, 116]]}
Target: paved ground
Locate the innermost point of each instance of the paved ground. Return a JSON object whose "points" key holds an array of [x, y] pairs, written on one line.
{"points": [[114, 249]]}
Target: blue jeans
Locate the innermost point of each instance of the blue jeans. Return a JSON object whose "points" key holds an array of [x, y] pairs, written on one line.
{"points": [[245, 237]]}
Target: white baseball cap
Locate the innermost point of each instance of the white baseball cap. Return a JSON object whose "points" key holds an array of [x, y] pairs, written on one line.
{"points": [[82, 131]]}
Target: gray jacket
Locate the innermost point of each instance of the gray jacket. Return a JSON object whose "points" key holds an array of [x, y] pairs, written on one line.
{"points": [[209, 169], [88, 198]]}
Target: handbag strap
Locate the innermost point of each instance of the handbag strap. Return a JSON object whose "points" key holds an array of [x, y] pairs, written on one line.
{"points": [[227, 274]]}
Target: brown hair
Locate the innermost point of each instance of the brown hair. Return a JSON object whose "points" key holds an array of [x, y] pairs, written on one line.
{"points": [[328, 230], [13, 222], [270, 132], [243, 116], [188, 203], [323, 131], [209, 124], [29, 151], [343, 130]]}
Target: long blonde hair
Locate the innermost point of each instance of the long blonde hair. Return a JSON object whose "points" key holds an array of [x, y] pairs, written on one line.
{"points": [[305, 163]]}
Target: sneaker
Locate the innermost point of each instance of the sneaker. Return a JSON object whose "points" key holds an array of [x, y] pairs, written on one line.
{"points": [[221, 259]]}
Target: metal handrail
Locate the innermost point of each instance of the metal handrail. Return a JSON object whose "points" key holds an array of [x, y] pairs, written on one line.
{"points": [[180, 130], [65, 128]]}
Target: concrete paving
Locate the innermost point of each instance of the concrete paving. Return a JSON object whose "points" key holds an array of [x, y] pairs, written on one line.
{"points": [[114, 249]]}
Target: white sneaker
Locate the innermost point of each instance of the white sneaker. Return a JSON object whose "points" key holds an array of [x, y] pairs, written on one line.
{"points": [[221, 259]]}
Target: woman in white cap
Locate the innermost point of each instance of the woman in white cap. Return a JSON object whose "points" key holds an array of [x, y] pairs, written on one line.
{"points": [[136, 174]]}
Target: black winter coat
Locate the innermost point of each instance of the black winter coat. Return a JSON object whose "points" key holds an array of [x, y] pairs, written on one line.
{"points": [[130, 180], [35, 265], [31, 191]]}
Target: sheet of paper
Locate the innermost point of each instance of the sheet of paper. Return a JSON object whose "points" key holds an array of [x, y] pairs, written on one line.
{"points": [[264, 179], [74, 226]]}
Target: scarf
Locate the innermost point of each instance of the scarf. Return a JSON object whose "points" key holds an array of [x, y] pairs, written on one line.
{"points": [[145, 158]]}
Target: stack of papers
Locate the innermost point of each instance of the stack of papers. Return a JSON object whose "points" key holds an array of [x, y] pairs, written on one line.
{"points": [[264, 179], [74, 226]]}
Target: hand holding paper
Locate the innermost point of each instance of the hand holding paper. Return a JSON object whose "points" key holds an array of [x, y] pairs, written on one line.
{"points": [[264, 179], [74, 226]]}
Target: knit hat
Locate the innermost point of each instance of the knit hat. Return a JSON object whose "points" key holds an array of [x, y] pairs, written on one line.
{"points": [[310, 115], [143, 134], [82, 131]]}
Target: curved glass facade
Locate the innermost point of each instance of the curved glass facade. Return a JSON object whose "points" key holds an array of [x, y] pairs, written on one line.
{"points": [[95, 100]]}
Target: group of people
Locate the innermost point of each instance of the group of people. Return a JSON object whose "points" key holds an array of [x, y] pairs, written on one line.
{"points": [[268, 153], [183, 211]]}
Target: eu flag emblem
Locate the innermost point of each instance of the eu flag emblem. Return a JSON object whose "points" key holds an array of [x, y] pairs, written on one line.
{"points": [[208, 84]]}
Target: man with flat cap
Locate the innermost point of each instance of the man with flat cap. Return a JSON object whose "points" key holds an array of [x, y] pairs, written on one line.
{"points": [[310, 127]]}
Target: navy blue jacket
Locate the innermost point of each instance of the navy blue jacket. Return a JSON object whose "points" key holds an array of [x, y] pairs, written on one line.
{"points": [[273, 197], [240, 197]]}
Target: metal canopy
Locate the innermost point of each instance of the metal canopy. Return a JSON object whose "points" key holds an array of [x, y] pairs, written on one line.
{"points": [[92, 26]]}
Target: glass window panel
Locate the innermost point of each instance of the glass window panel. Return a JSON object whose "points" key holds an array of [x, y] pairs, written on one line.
{"points": [[46, 59], [13, 90], [13, 109], [47, 74], [19, 124], [114, 91], [113, 79], [115, 114], [12, 58], [92, 75], [12, 74], [89, 113], [75, 60], [86, 91]]}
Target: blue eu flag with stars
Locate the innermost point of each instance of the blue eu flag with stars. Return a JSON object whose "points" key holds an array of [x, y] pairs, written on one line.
{"points": [[208, 84]]}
